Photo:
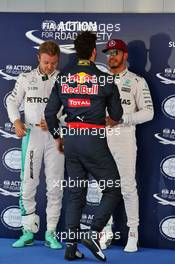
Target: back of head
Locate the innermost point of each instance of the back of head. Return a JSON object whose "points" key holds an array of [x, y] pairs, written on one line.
{"points": [[49, 47], [85, 44]]}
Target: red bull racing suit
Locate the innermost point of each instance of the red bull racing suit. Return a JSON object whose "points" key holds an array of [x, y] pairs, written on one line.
{"points": [[85, 101]]}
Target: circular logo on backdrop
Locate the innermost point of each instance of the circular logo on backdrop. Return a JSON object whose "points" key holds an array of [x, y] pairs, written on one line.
{"points": [[12, 159], [11, 217], [167, 227], [167, 167], [168, 106], [21, 107]]}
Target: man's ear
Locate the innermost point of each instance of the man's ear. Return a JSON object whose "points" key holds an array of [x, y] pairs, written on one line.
{"points": [[38, 56], [125, 56], [94, 52]]}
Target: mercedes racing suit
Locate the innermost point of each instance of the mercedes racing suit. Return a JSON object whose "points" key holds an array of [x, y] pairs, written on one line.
{"points": [[34, 89], [85, 101], [137, 108]]}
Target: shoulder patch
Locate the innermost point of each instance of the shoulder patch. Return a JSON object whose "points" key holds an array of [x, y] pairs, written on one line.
{"points": [[126, 89]]}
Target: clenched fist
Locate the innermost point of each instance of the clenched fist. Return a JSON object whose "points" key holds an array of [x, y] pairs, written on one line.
{"points": [[110, 122], [43, 125], [20, 128], [60, 145]]}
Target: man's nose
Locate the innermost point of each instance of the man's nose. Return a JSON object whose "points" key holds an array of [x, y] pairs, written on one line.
{"points": [[50, 66]]}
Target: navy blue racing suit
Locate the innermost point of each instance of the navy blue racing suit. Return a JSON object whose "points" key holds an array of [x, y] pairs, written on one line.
{"points": [[85, 96]]}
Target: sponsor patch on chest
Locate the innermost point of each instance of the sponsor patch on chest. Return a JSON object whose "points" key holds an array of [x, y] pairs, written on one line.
{"points": [[126, 89], [78, 102], [126, 101], [80, 89]]}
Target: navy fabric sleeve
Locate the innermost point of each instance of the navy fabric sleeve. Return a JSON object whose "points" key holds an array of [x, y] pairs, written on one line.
{"points": [[53, 106]]}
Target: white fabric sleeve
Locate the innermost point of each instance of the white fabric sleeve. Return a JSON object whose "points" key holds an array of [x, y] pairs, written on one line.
{"points": [[143, 100], [15, 99]]}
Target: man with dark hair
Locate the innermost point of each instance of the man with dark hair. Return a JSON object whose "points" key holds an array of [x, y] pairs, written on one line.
{"points": [[85, 101], [34, 89], [84, 48], [137, 109]]}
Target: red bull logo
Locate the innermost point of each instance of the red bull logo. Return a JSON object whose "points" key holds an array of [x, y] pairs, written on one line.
{"points": [[80, 89]]}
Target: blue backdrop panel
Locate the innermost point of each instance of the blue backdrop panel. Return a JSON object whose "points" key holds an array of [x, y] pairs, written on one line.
{"points": [[151, 40]]}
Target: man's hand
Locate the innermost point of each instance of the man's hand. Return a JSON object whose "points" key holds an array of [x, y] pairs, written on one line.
{"points": [[43, 125], [20, 128], [60, 145], [110, 122]]}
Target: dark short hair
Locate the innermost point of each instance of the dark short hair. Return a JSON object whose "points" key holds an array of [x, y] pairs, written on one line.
{"points": [[49, 47], [84, 44]]}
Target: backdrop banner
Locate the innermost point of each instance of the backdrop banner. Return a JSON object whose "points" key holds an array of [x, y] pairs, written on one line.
{"points": [[151, 43]]}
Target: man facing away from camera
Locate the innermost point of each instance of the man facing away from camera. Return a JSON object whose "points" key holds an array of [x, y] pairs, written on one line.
{"points": [[85, 101], [34, 89]]}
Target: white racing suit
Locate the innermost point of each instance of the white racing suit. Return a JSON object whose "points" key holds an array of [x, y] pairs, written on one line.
{"points": [[137, 109], [34, 90]]}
